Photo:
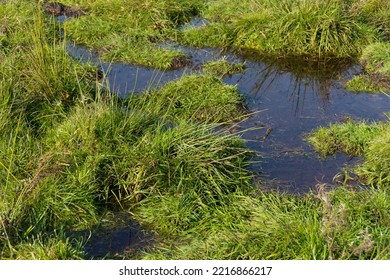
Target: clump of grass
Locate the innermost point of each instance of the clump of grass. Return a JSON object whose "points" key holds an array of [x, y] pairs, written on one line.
{"points": [[367, 83], [341, 224], [57, 247], [222, 67], [375, 61], [351, 138], [358, 139], [131, 32], [376, 167], [284, 28], [196, 97], [376, 58]]}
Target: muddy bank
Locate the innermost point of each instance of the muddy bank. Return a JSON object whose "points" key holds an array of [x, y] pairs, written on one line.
{"points": [[58, 9]]}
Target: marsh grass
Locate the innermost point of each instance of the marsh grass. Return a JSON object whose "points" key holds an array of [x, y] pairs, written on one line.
{"points": [[369, 140], [342, 224], [288, 28], [130, 31], [197, 97], [375, 61], [70, 152], [222, 67]]}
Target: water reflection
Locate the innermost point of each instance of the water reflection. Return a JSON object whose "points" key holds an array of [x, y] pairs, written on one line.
{"points": [[301, 79]]}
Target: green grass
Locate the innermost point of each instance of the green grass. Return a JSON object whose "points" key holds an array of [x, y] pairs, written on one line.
{"points": [[130, 31], [222, 67], [70, 152], [375, 61], [291, 28], [369, 140], [197, 97], [342, 224]]}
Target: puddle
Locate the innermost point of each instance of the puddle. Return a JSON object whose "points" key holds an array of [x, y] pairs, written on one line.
{"points": [[119, 236], [293, 104], [196, 22]]}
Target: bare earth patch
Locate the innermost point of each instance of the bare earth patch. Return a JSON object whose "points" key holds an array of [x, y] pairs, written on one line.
{"points": [[59, 9]]}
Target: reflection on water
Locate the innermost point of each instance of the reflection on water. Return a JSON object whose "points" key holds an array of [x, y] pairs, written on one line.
{"points": [[295, 98]]}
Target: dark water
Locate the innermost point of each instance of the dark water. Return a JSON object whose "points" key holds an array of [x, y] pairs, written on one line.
{"points": [[288, 99]]}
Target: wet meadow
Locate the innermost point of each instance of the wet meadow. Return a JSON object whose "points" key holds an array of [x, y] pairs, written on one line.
{"points": [[251, 129]]}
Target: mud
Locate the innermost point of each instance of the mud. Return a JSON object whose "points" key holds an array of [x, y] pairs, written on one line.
{"points": [[58, 9]]}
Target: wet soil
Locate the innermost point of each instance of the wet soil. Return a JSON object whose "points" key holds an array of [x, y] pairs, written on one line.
{"points": [[58, 9]]}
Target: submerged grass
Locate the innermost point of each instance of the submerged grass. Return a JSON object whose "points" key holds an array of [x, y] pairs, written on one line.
{"points": [[222, 67]]}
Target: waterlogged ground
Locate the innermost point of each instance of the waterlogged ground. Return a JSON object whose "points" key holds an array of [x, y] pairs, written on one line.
{"points": [[104, 175], [286, 99]]}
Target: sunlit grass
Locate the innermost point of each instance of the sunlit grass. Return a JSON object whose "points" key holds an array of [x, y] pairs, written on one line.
{"points": [[375, 61], [70, 151]]}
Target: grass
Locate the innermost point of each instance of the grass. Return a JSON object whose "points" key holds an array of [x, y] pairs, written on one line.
{"points": [[71, 152], [130, 31], [222, 68], [292, 28], [342, 224], [375, 61], [198, 97], [369, 140]]}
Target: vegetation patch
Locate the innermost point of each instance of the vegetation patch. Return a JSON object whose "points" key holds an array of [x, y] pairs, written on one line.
{"points": [[291, 28], [131, 31], [342, 224], [71, 152], [222, 67], [375, 61], [196, 97], [369, 140], [59, 9]]}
